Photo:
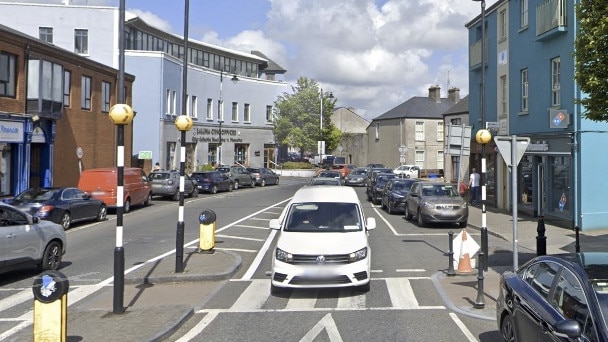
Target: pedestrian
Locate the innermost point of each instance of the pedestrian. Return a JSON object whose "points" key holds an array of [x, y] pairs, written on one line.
{"points": [[474, 186], [156, 167]]}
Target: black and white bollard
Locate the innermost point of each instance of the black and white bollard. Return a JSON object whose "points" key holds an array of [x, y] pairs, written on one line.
{"points": [[541, 239], [451, 271]]}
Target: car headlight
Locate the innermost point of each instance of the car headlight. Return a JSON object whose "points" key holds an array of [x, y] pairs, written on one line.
{"points": [[283, 256], [428, 205], [398, 196], [463, 205], [358, 255]]}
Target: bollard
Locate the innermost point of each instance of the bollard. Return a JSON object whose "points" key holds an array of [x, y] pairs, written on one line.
{"points": [[451, 271], [207, 231], [480, 301], [50, 306], [541, 239], [577, 245]]}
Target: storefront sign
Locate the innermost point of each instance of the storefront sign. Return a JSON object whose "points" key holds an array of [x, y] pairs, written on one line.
{"points": [[11, 131], [538, 147], [212, 135]]}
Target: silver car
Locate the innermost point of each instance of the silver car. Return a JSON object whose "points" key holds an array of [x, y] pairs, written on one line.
{"points": [[166, 184], [28, 240], [436, 202]]}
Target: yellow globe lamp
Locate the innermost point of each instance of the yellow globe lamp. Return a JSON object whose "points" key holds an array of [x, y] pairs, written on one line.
{"points": [[121, 114], [483, 136], [184, 123]]}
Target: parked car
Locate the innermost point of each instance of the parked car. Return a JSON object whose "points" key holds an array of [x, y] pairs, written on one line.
{"points": [[436, 202], [374, 193], [263, 176], [239, 176], [329, 174], [29, 240], [322, 241], [560, 297], [344, 169], [166, 184], [325, 181], [356, 177], [212, 181], [393, 194], [101, 183], [408, 171], [63, 206], [373, 171]]}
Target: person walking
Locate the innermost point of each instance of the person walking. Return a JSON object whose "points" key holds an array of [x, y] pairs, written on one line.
{"points": [[474, 186], [156, 167]]}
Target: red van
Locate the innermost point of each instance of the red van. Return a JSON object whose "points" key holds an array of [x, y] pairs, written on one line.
{"points": [[102, 183]]}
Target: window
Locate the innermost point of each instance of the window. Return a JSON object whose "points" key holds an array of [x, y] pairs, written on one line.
{"points": [[174, 102], [524, 90], [209, 109], [440, 131], [502, 25], [419, 131], [420, 159], [440, 160], [523, 14], [456, 121], [235, 111], [186, 106], [168, 111], [67, 85], [46, 34], [540, 277], [194, 107], [45, 82], [377, 131], [220, 109], [81, 41], [8, 74], [555, 81], [268, 113], [503, 95], [85, 93], [247, 113], [105, 96]]}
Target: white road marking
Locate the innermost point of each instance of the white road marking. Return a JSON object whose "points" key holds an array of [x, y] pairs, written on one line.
{"points": [[256, 227], [411, 270], [401, 293], [463, 327], [254, 296], [350, 301], [198, 328], [327, 323], [237, 237]]}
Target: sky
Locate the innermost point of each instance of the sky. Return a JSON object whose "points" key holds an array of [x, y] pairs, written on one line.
{"points": [[371, 54]]}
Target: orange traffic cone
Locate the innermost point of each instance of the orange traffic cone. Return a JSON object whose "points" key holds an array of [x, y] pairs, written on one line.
{"points": [[464, 262]]}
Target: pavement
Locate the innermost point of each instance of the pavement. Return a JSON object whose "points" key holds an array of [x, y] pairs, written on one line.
{"points": [[158, 300]]}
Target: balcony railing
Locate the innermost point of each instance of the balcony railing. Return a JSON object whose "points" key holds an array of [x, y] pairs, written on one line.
{"points": [[550, 14]]}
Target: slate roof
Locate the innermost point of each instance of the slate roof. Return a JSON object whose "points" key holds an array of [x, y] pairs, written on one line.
{"points": [[271, 66], [418, 107], [462, 107]]}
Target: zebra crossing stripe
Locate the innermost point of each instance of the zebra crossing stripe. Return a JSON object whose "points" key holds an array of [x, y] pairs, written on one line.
{"points": [[254, 296], [401, 293], [347, 301]]}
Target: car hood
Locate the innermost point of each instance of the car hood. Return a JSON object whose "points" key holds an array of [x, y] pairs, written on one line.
{"points": [[443, 200], [400, 192], [322, 243]]}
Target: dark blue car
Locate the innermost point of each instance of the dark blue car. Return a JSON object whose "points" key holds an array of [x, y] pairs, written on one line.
{"points": [[560, 297], [60, 205], [212, 181], [394, 193]]}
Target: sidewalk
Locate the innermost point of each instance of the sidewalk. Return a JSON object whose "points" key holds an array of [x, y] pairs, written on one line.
{"points": [[158, 300]]}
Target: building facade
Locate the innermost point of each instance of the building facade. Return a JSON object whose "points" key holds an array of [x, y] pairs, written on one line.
{"points": [[353, 143], [54, 107], [530, 77]]}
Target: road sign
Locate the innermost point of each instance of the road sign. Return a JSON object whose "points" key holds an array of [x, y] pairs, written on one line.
{"points": [[505, 146], [144, 155]]}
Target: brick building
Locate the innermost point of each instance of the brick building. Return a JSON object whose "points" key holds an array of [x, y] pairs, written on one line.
{"points": [[53, 102]]}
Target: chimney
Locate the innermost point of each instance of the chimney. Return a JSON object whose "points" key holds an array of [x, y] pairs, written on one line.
{"points": [[454, 94], [435, 93]]}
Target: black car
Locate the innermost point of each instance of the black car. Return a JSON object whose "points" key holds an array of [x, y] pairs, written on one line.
{"points": [[393, 194], [263, 176], [60, 205], [212, 181], [561, 297], [376, 185]]}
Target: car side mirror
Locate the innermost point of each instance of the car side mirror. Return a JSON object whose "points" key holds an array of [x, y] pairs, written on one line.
{"points": [[371, 223], [274, 224], [35, 219], [568, 328]]}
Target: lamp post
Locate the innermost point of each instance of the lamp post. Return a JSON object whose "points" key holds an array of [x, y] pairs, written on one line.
{"points": [[482, 137], [220, 111], [121, 115], [322, 142]]}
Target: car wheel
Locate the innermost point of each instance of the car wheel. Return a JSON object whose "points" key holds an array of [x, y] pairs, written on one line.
{"points": [[364, 288], [51, 259], [506, 329], [194, 192], [65, 221], [263, 182], [175, 196], [382, 205], [420, 219], [252, 183], [408, 216], [148, 201], [103, 213], [236, 185], [389, 208], [214, 189], [127, 206], [462, 224], [231, 187], [277, 182]]}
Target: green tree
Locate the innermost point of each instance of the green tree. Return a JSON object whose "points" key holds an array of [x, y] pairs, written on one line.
{"points": [[297, 123], [591, 51]]}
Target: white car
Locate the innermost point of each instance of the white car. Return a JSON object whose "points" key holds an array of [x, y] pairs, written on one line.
{"points": [[408, 171], [323, 241]]}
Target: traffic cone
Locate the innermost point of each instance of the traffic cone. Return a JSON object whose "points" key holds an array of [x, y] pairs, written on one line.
{"points": [[464, 262]]}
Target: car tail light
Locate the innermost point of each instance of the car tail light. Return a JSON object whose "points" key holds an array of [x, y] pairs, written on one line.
{"points": [[45, 209]]}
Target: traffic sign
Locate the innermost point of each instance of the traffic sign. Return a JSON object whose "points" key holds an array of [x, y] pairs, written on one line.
{"points": [[505, 146]]}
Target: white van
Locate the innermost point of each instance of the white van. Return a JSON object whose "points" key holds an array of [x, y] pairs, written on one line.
{"points": [[323, 241]]}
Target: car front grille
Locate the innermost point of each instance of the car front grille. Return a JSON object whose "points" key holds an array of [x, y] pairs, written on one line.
{"points": [[299, 259], [340, 279]]}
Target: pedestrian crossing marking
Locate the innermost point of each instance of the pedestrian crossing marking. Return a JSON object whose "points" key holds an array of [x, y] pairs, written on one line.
{"points": [[253, 298], [401, 293], [327, 323]]}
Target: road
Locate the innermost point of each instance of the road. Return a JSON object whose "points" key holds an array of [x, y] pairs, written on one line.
{"points": [[402, 304]]}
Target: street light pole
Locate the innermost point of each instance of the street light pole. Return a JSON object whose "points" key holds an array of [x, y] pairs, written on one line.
{"points": [[220, 110], [321, 142]]}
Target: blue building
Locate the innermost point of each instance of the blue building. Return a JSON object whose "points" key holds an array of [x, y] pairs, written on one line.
{"points": [[530, 91]]}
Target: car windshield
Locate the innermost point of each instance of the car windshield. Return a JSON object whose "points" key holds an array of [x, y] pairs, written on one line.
{"points": [[358, 172], [325, 181], [402, 185], [35, 195], [159, 175], [202, 175], [440, 190], [323, 217], [223, 169], [381, 180]]}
